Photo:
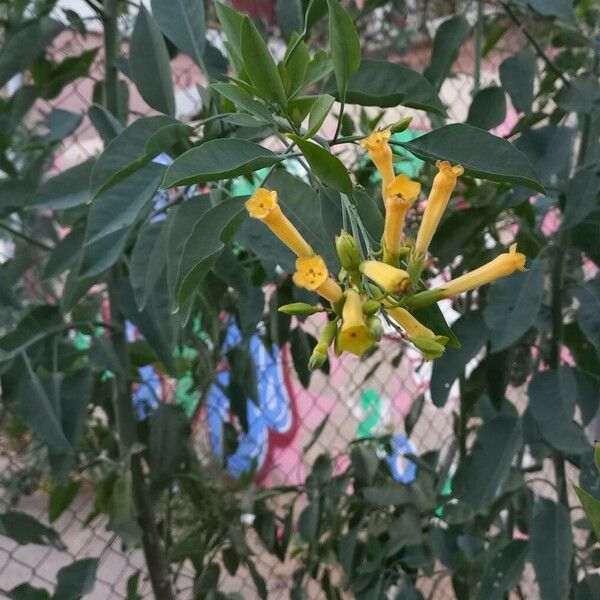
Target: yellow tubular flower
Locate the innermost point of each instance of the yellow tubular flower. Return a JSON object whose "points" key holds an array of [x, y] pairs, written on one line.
{"points": [[503, 265], [399, 197], [441, 190], [412, 326], [263, 206], [391, 279], [431, 345], [354, 336], [312, 274], [377, 144]]}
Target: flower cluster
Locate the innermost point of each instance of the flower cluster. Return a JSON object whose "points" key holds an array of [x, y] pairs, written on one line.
{"points": [[386, 284]]}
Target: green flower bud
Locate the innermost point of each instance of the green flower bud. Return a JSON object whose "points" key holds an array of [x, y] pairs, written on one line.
{"points": [[348, 252], [431, 347], [401, 125], [299, 308], [370, 307], [317, 359], [319, 354], [327, 335], [375, 327]]}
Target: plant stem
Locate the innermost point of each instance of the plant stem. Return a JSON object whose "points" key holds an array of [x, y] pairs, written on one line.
{"points": [[477, 50], [158, 568], [28, 239], [539, 50]]}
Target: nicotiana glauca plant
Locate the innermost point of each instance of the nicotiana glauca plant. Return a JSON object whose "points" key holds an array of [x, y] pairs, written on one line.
{"points": [[181, 227]]}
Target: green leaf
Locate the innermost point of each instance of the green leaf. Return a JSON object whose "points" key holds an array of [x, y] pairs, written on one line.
{"points": [[513, 305], [59, 124], [74, 394], [260, 66], [449, 37], [302, 345], [25, 45], [370, 214], [112, 215], [318, 114], [242, 384], [549, 150], [149, 63], [386, 84], [308, 523], [39, 412], [121, 510], [488, 109], [580, 95], [481, 477], [552, 397], [105, 123], [504, 570], [328, 167], [390, 495], [365, 463], [126, 153], [480, 153], [148, 260], [208, 237], [551, 546], [581, 196], [65, 190], [345, 45], [181, 221], [591, 506], [155, 322], [231, 22], [218, 159], [517, 74], [553, 8], [24, 529], [76, 580], [183, 22], [65, 254], [472, 332], [242, 99], [588, 315], [28, 592], [169, 434], [61, 498], [290, 17]]}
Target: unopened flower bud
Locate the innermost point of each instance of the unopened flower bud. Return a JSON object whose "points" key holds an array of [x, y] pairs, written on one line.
{"points": [[401, 125], [299, 308], [348, 251], [375, 327], [319, 354], [317, 359], [431, 347], [370, 307]]}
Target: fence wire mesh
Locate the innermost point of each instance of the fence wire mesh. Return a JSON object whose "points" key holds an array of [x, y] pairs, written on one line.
{"points": [[362, 398]]}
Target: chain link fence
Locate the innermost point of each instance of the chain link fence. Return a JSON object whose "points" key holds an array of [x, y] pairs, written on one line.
{"points": [[360, 398]]}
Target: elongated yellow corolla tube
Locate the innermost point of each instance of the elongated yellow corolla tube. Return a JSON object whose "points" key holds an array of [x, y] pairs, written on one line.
{"points": [[391, 279], [441, 190], [412, 326], [263, 205], [377, 144], [400, 195], [501, 266], [312, 274]]}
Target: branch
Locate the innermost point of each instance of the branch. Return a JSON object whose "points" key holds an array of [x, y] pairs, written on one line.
{"points": [[539, 50], [27, 238]]}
